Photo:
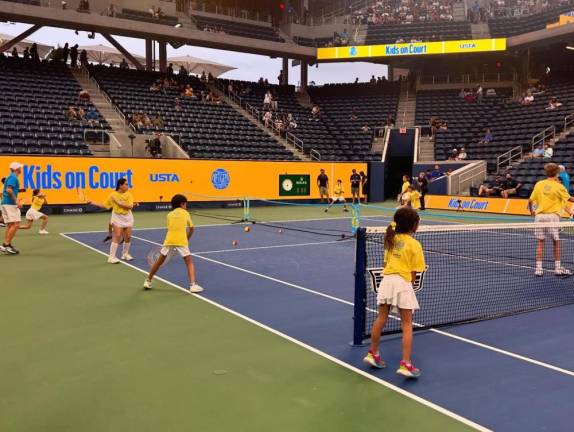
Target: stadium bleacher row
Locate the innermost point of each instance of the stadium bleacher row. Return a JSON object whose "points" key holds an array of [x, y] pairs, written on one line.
{"points": [[236, 28], [512, 26], [433, 31], [35, 98]]}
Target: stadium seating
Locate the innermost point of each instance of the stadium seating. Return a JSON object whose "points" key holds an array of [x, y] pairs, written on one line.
{"points": [[512, 26], [316, 43], [334, 135], [27, 2], [235, 28], [206, 130], [35, 98], [432, 31], [145, 16], [511, 123]]}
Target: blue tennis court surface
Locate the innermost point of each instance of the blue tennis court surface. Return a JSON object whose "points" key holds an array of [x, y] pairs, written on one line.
{"points": [[512, 374]]}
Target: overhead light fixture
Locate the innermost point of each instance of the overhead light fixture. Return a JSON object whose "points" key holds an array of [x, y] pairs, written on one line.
{"points": [[178, 25], [569, 47]]}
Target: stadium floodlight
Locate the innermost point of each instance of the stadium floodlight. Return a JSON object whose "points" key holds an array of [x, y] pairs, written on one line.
{"points": [[178, 25], [569, 47]]}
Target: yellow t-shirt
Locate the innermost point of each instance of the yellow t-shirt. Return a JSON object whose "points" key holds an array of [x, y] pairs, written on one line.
{"points": [[178, 221], [405, 187], [550, 197], [338, 191], [125, 198], [415, 199], [37, 203], [405, 257]]}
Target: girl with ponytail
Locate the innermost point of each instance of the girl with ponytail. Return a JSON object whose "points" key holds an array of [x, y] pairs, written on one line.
{"points": [[403, 259]]}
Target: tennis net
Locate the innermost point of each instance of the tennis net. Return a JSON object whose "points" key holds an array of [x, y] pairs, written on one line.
{"points": [[474, 272]]}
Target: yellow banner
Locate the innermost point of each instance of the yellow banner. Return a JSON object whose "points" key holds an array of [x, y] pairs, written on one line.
{"points": [[513, 206], [66, 179], [412, 49]]}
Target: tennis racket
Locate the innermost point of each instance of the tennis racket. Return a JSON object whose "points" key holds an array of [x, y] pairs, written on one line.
{"points": [[154, 254]]}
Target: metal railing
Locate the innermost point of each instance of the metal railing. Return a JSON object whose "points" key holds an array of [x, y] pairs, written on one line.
{"points": [[541, 137], [471, 175], [506, 159], [96, 136], [469, 79], [315, 155], [297, 142], [568, 121]]}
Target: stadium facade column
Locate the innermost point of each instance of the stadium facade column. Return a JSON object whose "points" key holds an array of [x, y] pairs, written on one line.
{"points": [[304, 76], [285, 72], [148, 55], [162, 56], [390, 72]]}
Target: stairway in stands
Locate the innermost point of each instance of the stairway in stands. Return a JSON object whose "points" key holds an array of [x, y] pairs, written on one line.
{"points": [[407, 106]]}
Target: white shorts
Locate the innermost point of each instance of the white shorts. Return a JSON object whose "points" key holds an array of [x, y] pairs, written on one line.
{"points": [[183, 251], [338, 199], [542, 233], [11, 214], [397, 292], [122, 221], [34, 215]]}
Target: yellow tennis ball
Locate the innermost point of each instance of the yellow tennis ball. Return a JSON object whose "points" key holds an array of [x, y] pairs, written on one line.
{"points": [[234, 242]]}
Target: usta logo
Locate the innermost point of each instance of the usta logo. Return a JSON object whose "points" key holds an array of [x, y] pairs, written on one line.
{"points": [[164, 178]]}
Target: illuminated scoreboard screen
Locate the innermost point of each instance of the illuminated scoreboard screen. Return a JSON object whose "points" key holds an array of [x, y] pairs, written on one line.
{"points": [[412, 49]]}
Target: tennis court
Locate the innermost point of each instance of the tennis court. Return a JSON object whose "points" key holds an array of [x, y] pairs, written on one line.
{"points": [[296, 280]]}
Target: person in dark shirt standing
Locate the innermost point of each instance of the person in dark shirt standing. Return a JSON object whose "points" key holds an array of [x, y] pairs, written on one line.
{"points": [[364, 186], [355, 186], [65, 53], [323, 184], [423, 187], [74, 56]]}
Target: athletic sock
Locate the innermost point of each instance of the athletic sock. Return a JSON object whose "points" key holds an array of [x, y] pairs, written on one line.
{"points": [[557, 265], [113, 249], [538, 265], [126, 248]]}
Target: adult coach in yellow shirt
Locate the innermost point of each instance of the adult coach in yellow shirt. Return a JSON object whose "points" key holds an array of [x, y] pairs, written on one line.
{"points": [[546, 203], [179, 231]]}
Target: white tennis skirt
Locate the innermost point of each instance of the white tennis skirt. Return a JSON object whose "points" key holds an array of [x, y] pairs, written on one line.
{"points": [[397, 292], [34, 215], [122, 221]]}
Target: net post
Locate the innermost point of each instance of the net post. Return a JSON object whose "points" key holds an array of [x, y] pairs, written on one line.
{"points": [[359, 312], [246, 212]]}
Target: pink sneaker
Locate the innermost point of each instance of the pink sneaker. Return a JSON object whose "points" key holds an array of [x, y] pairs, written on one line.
{"points": [[374, 360], [408, 370]]}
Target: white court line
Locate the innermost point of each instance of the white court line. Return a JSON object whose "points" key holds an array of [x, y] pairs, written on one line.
{"points": [[340, 300], [270, 247], [314, 350]]}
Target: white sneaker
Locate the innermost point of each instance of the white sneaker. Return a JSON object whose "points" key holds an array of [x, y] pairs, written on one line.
{"points": [[43, 231], [147, 284], [127, 257], [113, 260], [539, 272], [195, 288], [562, 271]]}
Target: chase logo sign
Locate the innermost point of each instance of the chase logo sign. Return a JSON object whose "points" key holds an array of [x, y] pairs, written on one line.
{"points": [[220, 179]]}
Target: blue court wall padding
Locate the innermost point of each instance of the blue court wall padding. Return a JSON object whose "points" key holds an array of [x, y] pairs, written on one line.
{"points": [[376, 181]]}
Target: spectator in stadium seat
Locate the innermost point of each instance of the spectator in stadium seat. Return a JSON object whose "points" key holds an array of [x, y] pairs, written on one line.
{"points": [[548, 152], [154, 146], [527, 99], [553, 103], [316, 112], [291, 121], [491, 189], [124, 64], [34, 53], [155, 87], [26, 54], [177, 106], [487, 137], [158, 121], [564, 177], [267, 100], [92, 117], [365, 129], [436, 173], [453, 154], [188, 91], [267, 118], [72, 114], [462, 93], [479, 94], [169, 69], [84, 58], [74, 56], [84, 95], [510, 187], [538, 152], [14, 52], [462, 155]]}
